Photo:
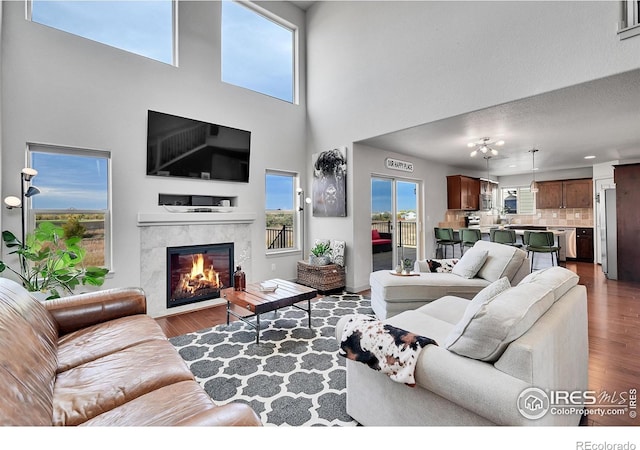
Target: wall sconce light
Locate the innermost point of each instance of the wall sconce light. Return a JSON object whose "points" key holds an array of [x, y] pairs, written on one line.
{"points": [[302, 200], [11, 202]]}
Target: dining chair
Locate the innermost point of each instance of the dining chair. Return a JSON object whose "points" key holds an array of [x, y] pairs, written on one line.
{"points": [[468, 238], [507, 237], [444, 238], [541, 242]]}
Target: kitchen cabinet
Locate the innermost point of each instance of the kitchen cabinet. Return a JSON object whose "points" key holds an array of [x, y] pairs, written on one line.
{"points": [[584, 244], [463, 193], [565, 194]]}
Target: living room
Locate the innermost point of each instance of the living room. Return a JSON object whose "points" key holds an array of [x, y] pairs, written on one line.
{"points": [[369, 69]]}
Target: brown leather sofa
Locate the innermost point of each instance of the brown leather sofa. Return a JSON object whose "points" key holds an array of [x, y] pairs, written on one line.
{"points": [[97, 359]]}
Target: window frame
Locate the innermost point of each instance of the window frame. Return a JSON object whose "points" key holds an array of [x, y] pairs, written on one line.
{"points": [[296, 231], [518, 190], [174, 33], [85, 152], [295, 56], [629, 19]]}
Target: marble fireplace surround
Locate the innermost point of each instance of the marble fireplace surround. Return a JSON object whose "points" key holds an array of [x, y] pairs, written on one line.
{"points": [[161, 230]]}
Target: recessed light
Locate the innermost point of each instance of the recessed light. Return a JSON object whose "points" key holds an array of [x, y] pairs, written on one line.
{"points": [[512, 166], [589, 157]]}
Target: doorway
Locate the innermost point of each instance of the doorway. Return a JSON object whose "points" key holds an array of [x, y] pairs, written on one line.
{"points": [[394, 221]]}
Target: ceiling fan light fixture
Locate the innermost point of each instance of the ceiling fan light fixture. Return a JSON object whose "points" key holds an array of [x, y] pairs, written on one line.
{"points": [[474, 153]]}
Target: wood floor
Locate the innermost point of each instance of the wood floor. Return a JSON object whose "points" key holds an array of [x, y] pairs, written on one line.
{"points": [[614, 334]]}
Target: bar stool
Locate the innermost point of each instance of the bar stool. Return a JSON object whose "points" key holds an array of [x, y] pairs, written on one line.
{"points": [[444, 238], [541, 242]]}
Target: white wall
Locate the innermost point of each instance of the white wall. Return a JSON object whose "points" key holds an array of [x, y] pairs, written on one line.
{"points": [[61, 89], [378, 67]]}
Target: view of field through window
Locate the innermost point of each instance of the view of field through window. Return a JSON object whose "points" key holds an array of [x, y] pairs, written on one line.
{"points": [[89, 227]]}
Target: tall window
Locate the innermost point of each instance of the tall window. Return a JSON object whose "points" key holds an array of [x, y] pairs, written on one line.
{"points": [[280, 210], [258, 52], [518, 200], [74, 193], [142, 27]]}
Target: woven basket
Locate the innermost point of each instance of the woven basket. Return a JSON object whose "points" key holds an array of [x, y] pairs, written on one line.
{"points": [[323, 278]]}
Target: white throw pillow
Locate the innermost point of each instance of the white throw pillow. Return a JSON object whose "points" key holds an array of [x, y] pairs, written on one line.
{"points": [[481, 299], [500, 321], [557, 278], [470, 263], [435, 265]]}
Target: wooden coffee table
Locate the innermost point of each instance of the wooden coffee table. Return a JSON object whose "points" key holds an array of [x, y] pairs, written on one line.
{"points": [[258, 302]]}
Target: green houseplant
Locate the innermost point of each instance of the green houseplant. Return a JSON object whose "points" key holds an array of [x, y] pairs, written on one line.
{"points": [[320, 254], [49, 261]]}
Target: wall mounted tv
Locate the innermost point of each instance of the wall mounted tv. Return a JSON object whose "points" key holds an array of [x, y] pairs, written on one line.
{"points": [[187, 148]]}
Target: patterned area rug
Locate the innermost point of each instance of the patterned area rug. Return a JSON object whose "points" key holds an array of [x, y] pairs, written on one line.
{"points": [[294, 377]]}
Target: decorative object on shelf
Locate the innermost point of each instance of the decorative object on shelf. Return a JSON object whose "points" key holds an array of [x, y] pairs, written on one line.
{"points": [[399, 268], [49, 261], [302, 200], [330, 183], [239, 279], [320, 254], [483, 146], [534, 186]]}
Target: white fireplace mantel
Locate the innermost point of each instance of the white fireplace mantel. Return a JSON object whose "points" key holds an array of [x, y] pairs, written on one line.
{"points": [[150, 219]]}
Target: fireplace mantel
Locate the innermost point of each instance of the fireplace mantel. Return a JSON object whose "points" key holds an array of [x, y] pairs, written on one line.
{"points": [[150, 219]]}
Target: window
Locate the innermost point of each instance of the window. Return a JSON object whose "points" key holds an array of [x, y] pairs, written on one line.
{"points": [[630, 25], [280, 213], [74, 193], [144, 28], [257, 51], [518, 200]]}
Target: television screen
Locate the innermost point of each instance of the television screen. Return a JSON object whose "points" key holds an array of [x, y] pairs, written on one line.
{"points": [[181, 147]]}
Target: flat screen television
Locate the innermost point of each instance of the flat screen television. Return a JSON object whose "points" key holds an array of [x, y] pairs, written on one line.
{"points": [[188, 148]]}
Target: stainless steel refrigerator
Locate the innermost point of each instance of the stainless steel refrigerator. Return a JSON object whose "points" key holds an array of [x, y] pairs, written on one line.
{"points": [[608, 236]]}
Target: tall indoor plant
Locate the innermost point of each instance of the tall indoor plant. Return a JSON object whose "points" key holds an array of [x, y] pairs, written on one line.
{"points": [[49, 262]]}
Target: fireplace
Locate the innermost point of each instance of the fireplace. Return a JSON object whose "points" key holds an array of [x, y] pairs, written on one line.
{"points": [[198, 272]]}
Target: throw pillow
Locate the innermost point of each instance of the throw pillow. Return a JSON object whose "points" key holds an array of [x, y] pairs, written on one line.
{"points": [[481, 299], [470, 263], [500, 321], [337, 252], [557, 278], [436, 265]]}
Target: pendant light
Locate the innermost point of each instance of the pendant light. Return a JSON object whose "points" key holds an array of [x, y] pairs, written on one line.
{"points": [[534, 186]]}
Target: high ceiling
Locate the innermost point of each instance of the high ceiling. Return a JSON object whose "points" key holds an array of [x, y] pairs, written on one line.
{"points": [[600, 118]]}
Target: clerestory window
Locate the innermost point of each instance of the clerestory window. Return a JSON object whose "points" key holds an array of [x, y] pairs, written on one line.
{"points": [[145, 28], [258, 51]]}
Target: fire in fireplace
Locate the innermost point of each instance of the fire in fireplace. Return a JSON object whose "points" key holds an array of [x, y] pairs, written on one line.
{"points": [[198, 272]]}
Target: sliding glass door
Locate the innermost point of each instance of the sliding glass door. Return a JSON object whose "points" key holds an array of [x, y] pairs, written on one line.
{"points": [[394, 221]]}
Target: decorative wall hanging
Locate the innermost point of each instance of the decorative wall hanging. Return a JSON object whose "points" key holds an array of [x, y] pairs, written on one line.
{"points": [[330, 183]]}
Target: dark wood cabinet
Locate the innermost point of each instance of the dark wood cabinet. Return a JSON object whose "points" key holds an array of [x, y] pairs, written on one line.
{"points": [[565, 194], [584, 244], [549, 195], [627, 179], [463, 193]]}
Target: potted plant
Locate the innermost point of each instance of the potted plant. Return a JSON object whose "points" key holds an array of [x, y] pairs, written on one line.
{"points": [[320, 254], [50, 263], [407, 265]]}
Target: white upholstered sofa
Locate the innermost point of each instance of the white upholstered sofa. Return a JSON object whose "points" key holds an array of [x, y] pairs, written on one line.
{"points": [[490, 351], [392, 294]]}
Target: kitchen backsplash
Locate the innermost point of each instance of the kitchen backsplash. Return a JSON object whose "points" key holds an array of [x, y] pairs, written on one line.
{"points": [[568, 217]]}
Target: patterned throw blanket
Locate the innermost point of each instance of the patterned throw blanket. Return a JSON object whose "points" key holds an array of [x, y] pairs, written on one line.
{"points": [[383, 347]]}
